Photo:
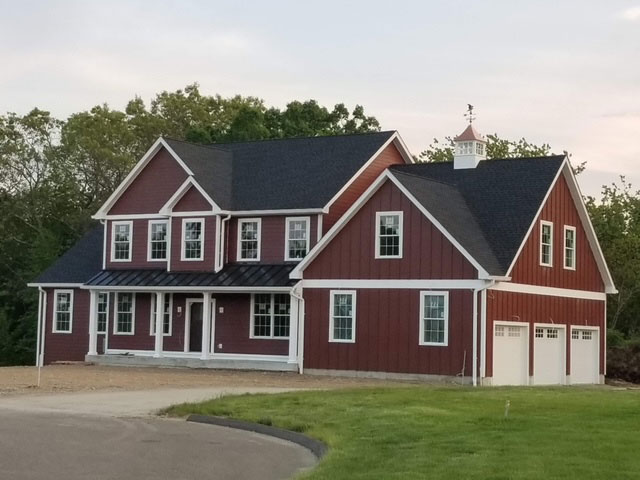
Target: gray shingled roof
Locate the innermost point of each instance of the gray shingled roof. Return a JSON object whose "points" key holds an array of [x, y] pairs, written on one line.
{"points": [[233, 275], [79, 263], [290, 173], [488, 208]]}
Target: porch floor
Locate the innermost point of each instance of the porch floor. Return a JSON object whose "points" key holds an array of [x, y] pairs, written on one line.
{"points": [[192, 362]]}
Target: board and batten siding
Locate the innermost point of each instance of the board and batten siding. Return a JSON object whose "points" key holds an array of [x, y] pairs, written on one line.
{"points": [[561, 210], [522, 307], [153, 186], [389, 156], [387, 334], [427, 253]]}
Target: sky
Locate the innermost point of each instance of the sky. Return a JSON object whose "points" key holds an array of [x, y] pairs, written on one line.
{"points": [[564, 72]]}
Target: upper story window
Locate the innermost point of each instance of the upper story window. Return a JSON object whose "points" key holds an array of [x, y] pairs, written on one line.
{"points": [[270, 315], [296, 238], [124, 323], [388, 235], [342, 316], [249, 239], [121, 235], [192, 239], [102, 311], [434, 318], [63, 311], [546, 243], [166, 317], [157, 250], [569, 247]]}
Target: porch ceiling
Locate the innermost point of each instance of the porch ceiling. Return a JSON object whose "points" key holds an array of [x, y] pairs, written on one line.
{"points": [[235, 275]]}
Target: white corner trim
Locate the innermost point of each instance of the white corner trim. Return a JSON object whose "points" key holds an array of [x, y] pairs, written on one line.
{"points": [[400, 215], [354, 301], [395, 284], [549, 291], [159, 143], [239, 239], [183, 242], [113, 239], [287, 221]]}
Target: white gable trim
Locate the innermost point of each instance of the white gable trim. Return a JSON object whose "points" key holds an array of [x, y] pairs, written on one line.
{"points": [[296, 273], [167, 208], [400, 145], [566, 170], [104, 209]]}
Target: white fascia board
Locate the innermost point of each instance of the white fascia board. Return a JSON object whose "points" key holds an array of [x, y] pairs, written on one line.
{"points": [[289, 211], [548, 291], [396, 284], [55, 285], [395, 139], [296, 273], [482, 273], [104, 209]]}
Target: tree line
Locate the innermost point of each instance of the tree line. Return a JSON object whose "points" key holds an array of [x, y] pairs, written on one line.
{"points": [[54, 174]]}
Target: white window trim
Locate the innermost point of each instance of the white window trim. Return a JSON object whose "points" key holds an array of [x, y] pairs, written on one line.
{"points": [[440, 293], [354, 300], [54, 326], [152, 317], [377, 233], [288, 220], [133, 314], [183, 244], [106, 324], [550, 224], [564, 247], [149, 244], [113, 241], [272, 315], [241, 221]]}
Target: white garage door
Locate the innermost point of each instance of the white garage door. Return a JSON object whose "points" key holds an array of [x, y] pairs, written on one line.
{"points": [[548, 356], [510, 355], [585, 354]]}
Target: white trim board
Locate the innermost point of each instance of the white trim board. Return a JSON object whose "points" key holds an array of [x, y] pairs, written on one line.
{"points": [[55, 285], [549, 291], [396, 284], [167, 208]]}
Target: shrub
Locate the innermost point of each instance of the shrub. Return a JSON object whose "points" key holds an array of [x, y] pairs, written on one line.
{"points": [[623, 362]]}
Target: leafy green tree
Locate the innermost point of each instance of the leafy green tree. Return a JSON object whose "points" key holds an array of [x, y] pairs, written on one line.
{"points": [[496, 148]]}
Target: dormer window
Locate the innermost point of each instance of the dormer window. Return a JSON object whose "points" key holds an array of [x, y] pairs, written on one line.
{"points": [[389, 235]]}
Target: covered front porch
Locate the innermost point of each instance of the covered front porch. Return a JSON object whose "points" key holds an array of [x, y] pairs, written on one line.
{"points": [[201, 326]]}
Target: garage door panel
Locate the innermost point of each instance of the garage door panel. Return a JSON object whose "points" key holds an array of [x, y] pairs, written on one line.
{"points": [[549, 355], [510, 355], [585, 356]]}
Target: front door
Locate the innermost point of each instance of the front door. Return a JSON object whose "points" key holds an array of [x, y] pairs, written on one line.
{"points": [[195, 327]]}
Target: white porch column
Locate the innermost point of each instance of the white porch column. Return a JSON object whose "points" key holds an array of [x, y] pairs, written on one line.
{"points": [[93, 323], [159, 321], [294, 319], [206, 325]]}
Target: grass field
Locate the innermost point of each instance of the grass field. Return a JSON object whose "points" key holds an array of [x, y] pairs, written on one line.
{"points": [[456, 433]]}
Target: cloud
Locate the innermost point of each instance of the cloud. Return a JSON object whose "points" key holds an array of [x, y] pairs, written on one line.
{"points": [[631, 14]]}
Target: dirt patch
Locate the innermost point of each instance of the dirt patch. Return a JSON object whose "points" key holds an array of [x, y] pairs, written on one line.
{"points": [[79, 378]]}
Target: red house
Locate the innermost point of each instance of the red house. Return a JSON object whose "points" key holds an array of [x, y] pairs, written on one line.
{"points": [[337, 255]]}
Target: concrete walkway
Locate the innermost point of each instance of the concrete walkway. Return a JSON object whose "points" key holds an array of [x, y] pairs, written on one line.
{"points": [[114, 435]]}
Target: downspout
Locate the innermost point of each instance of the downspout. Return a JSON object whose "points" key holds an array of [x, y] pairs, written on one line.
{"points": [[300, 299], [474, 375]]}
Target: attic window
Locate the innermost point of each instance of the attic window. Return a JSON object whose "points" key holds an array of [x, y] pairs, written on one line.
{"points": [[389, 235], [546, 244]]}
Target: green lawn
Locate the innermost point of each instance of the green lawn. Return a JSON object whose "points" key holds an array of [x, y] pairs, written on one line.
{"points": [[456, 433]]}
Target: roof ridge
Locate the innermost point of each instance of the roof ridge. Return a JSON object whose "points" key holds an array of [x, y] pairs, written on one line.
{"points": [[397, 169], [305, 137], [211, 146]]}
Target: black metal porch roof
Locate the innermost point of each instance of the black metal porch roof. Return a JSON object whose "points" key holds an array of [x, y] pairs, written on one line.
{"points": [[235, 275]]}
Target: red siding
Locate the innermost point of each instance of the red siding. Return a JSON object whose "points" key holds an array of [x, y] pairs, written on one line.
{"points": [[272, 238], [427, 254], [387, 334], [233, 329], [138, 250], [561, 210], [68, 346], [521, 307], [208, 263], [192, 201], [142, 321], [389, 156], [151, 189]]}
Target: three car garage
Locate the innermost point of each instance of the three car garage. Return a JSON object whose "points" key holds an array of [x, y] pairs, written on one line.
{"points": [[514, 351]]}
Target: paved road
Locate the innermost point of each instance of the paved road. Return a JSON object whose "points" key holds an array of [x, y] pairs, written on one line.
{"points": [[44, 439]]}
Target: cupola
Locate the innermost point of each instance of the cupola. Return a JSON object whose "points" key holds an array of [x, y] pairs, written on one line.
{"points": [[470, 146]]}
